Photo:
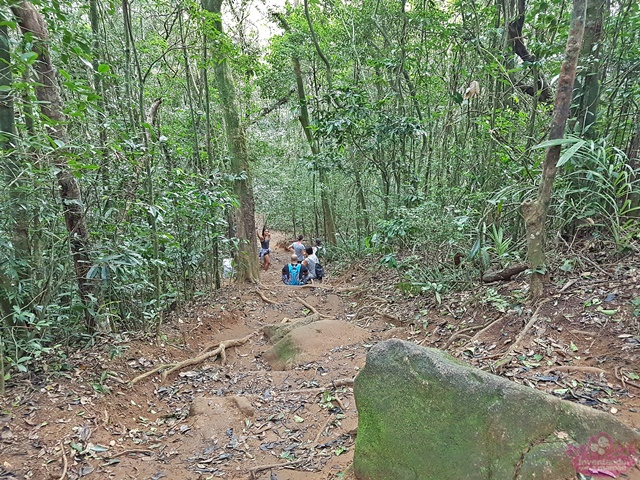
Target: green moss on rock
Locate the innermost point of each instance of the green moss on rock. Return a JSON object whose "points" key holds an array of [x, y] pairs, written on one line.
{"points": [[282, 353], [423, 416]]}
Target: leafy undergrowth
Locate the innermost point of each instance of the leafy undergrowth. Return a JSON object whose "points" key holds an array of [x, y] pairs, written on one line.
{"points": [[241, 419]]}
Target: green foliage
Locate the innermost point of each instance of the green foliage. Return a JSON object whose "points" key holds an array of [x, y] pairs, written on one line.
{"points": [[425, 227], [413, 172], [598, 189], [497, 301]]}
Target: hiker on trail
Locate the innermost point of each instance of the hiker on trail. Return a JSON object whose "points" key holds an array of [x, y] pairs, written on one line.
{"points": [[318, 249], [295, 273], [310, 262], [265, 251], [298, 248]]}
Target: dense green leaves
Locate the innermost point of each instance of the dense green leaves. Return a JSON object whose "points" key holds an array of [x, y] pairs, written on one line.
{"points": [[409, 157]]}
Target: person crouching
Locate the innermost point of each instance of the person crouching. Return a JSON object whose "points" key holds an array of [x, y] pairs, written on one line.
{"points": [[295, 273]]}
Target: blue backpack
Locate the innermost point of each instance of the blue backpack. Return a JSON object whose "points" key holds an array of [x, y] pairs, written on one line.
{"points": [[294, 274]]}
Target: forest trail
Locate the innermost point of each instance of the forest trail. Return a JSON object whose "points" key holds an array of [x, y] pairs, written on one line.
{"points": [[241, 419]]}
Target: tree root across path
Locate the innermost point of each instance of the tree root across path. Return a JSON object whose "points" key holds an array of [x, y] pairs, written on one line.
{"points": [[264, 298], [576, 368], [218, 349], [461, 333], [253, 471], [310, 307], [510, 353]]}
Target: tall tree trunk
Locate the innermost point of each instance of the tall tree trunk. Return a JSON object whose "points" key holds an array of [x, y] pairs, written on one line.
{"points": [[305, 122], [127, 62], [207, 107], [51, 105], [590, 74], [535, 211], [633, 156], [247, 258], [98, 87], [363, 214], [6, 99], [188, 82], [10, 170]]}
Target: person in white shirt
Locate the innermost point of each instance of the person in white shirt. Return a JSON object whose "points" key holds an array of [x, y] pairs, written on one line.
{"points": [[298, 248], [310, 262]]}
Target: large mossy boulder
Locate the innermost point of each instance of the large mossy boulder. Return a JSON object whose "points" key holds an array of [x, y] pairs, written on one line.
{"points": [[425, 416]]}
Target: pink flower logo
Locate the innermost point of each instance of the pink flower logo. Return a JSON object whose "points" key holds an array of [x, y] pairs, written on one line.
{"points": [[602, 457]]}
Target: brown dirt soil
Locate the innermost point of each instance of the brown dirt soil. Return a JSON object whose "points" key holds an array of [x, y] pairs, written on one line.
{"points": [[241, 419]]}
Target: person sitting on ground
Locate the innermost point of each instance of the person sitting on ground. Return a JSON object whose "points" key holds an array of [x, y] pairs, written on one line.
{"points": [[265, 251], [298, 248], [310, 262], [295, 273]]}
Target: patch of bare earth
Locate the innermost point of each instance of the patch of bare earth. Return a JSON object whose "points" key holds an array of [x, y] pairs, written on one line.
{"points": [[232, 416]]}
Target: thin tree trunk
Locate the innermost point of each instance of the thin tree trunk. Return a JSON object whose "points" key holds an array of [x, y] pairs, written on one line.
{"points": [[317, 46], [633, 156], [10, 168], [305, 122], [51, 105], [247, 258], [127, 62], [98, 87], [188, 80], [150, 136], [590, 75], [535, 211], [207, 107], [362, 204], [6, 99]]}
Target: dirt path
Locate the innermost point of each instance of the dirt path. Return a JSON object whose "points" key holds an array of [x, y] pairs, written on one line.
{"points": [[245, 420], [206, 421]]}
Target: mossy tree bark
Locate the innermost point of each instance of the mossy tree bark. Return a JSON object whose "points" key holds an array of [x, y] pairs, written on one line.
{"points": [[247, 258], [51, 106], [535, 211]]}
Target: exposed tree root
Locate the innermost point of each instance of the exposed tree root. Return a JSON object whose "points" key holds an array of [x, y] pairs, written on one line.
{"points": [[341, 382], [218, 350], [264, 298], [260, 468], [485, 328], [393, 317], [521, 335], [135, 450], [326, 424], [64, 461], [572, 368], [462, 332], [149, 373], [567, 285], [311, 308], [622, 380]]}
